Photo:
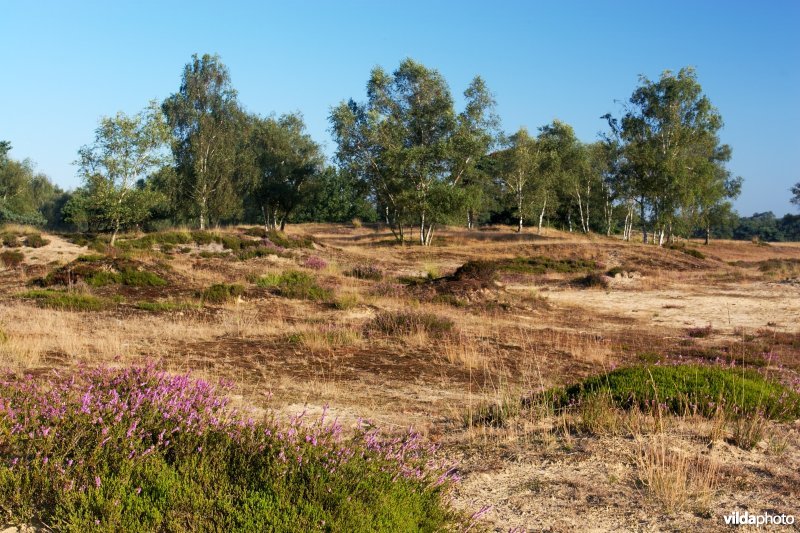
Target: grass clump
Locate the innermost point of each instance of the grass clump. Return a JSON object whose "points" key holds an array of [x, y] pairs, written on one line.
{"points": [[222, 292], [296, 285], [164, 306], [35, 240], [688, 388], [140, 450], [409, 322], [10, 240], [11, 258], [69, 301]]}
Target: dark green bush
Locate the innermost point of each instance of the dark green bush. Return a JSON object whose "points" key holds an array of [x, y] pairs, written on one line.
{"points": [[296, 285], [594, 280], [543, 265], [688, 388], [222, 292]]}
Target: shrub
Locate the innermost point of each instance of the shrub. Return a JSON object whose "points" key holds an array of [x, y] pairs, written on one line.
{"points": [[139, 450], [296, 285], [231, 242], [11, 258], [315, 263], [366, 272], [10, 240], [543, 265], [35, 240], [683, 388], [699, 333], [69, 301], [279, 238], [694, 253], [408, 322], [594, 280], [256, 232], [484, 272], [164, 306], [130, 277], [222, 292], [202, 237]]}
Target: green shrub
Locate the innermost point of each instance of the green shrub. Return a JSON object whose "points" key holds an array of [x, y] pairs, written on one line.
{"points": [[296, 285], [222, 292], [69, 301], [543, 265], [231, 242], [164, 306], [11, 258], [408, 322], [36, 241], [129, 277], [691, 388], [279, 238], [10, 240], [202, 237]]}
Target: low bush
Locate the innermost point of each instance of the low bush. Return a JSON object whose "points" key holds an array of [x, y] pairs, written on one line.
{"points": [[139, 450], [296, 285], [69, 301], [315, 263], [10, 240], [544, 265], [164, 306], [688, 388], [409, 322], [222, 292], [129, 277], [35, 240], [701, 332], [594, 280], [365, 272], [11, 258], [279, 238]]}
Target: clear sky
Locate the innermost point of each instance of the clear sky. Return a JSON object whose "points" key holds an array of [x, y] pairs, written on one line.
{"points": [[66, 64]]}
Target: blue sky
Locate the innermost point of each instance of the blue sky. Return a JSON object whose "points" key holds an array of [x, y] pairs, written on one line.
{"points": [[65, 64]]}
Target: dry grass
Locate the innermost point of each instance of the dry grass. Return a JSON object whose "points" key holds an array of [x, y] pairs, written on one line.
{"points": [[675, 479]]}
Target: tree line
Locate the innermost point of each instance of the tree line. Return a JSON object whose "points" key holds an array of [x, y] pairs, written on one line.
{"points": [[405, 156]]}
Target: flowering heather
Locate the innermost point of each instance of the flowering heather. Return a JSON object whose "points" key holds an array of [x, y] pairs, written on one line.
{"points": [[138, 449], [315, 263]]}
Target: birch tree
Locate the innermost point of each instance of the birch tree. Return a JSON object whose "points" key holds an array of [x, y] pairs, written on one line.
{"points": [[206, 123], [126, 149]]}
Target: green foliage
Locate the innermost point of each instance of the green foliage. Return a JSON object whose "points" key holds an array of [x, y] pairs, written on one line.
{"points": [[24, 195], [543, 265], [411, 148], [130, 277], [278, 238], [36, 241], [10, 240], [125, 151], [287, 163], [222, 292], [11, 258], [689, 388], [409, 322], [69, 301], [164, 306], [209, 136], [296, 285], [138, 450]]}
